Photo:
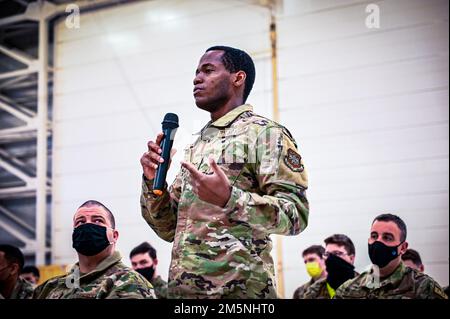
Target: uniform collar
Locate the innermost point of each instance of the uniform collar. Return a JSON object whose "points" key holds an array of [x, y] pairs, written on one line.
{"points": [[396, 276], [392, 279], [228, 118], [102, 266]]}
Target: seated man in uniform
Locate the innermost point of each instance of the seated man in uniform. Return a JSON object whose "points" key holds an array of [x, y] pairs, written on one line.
{"points": [[11, 264], [339, 260], [144, 261], [31, 274], [389, 278], [315, 267], [99, 272], [411, 259]]}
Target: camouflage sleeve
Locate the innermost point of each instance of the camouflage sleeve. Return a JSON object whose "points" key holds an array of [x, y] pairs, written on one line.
{"points": [[339, 294], [281, 206], [298, 293], [160, 212], [311, 292], [42, 291], [429, 289], [131, 286]]}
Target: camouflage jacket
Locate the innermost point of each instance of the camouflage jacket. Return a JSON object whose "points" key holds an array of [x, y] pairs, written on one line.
{"points": [[225, 252], [160, 287], [318, 290], [403, 283], [111, 279], [22, 290], [300, 291]]}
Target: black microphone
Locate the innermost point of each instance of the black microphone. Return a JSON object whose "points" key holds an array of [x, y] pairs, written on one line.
{"points": [[169, 128]]}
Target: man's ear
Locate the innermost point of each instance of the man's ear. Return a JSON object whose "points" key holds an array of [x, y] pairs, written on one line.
{"points": [[403, 248], [155, 262], [239, 78], [15, 269], [115, 235], [352, 258]]}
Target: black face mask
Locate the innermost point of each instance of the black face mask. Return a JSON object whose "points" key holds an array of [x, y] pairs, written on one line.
{"points": [[381, 254], [89, 239], [339, 271], [147, 272]]}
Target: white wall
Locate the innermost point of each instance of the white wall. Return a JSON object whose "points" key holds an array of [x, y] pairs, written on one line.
{"points": [[368, 107]]}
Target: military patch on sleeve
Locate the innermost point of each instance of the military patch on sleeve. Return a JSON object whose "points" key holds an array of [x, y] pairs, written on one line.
{"points": [[440, 293], [261, 122], [293, 160]]}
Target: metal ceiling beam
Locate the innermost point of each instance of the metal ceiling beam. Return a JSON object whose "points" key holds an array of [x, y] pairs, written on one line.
{"points": [[18, 56], [16, 233], [11, 74], [30, 181], [17, 131], [42, 144], [33, 13], [17, 106], [20, 192], [50, 10], [18, 137], [8, 83], [17, 220], [26, 168], [29, 120]]}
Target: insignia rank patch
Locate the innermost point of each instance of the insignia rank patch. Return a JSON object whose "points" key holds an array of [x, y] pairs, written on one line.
{"points": [[293, 161]]}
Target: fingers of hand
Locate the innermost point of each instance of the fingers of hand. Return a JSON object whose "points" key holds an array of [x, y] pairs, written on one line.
{"points": [[147, 162], [195, 174], [159, 138], [216, 169], [154, 147], [151, 159]]}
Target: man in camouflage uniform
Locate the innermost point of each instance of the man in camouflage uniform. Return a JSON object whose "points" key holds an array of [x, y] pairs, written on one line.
{"points": [[411, 258], [241, 181], [99, 272], [389, 278], [11, 265], [339, 260], [315, 266], [144, 261]]}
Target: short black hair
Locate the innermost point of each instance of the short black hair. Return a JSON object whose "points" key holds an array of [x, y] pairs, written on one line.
{"points": [[413, 255], [341, 240], [236, 60], [31, 269], [13, 255], [395, 219], [143, 248], [93, 202], [314, 249]]}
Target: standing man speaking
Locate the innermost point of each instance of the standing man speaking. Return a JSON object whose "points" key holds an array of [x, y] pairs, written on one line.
{"points": [[241, 181]]}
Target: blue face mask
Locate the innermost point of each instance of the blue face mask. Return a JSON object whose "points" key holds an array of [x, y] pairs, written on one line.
{"points": [[381, 254], [90, 239]]}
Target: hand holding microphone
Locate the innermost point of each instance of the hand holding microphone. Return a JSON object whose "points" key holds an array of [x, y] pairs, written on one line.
{"points": [[155, 162]]}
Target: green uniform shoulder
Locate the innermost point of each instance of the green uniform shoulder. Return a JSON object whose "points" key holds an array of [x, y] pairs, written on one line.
{"points": [[22, 290], [318, 290], [425, 287], [300, 291]]}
